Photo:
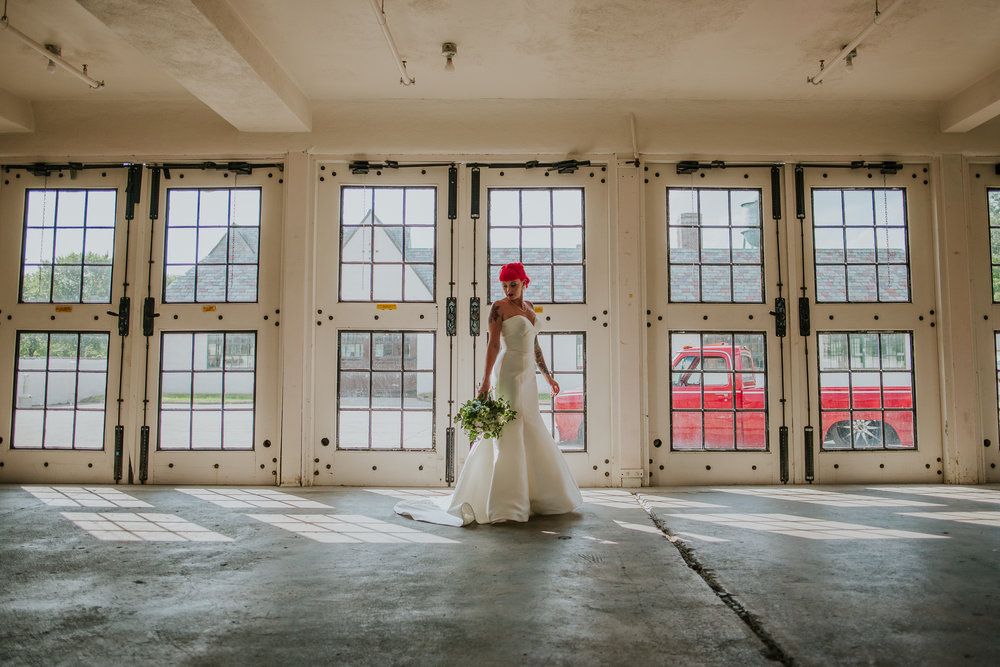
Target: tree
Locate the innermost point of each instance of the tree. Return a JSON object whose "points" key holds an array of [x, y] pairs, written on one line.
{"points": [[70, 280]]}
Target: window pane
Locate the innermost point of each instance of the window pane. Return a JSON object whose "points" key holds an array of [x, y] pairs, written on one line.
{"points": [[61, 376], [866, 383], [718, 397], [867, 260], [356, 205], [206, 429], [356, 282], [568, 284], [212, 245], [387, 430], [565, 414], [685, 283], [36, 284], [389, 206], [418, 430], [551, 233], [420, 206], [385, 378], [387, 244], [353, 431], [709, 231], [175, 430], [207, 390], [237, 429], [81, 245], [993, 207]]}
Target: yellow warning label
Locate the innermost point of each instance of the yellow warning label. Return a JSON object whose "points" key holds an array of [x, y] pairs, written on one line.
{"points": [[208, 309], [64, 309], [538, 309], [386, 306]]}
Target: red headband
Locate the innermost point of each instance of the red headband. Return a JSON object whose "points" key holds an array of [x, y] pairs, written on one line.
{"points": [[514, 271]]}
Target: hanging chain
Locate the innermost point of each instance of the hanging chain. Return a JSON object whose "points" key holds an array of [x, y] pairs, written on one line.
{"points": [[885, 226]]}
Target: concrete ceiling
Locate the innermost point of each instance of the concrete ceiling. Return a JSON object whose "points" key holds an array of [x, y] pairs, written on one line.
{"points": [[263, 66]]}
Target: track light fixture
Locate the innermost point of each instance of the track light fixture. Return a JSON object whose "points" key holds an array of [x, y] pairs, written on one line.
{"points": [[52, 53], [449, 51]]}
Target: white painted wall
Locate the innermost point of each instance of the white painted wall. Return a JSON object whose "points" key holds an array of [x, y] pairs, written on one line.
{"points": [[481, 130]]}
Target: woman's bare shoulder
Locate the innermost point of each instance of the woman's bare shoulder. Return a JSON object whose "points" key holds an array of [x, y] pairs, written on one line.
{"points": [[497, 311]]}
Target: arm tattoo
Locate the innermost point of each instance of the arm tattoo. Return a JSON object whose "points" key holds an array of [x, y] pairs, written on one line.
{"points": [[495, 313], [540, 360]]}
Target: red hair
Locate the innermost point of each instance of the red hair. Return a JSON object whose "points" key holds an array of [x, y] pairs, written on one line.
{"points": [[514, 271]]}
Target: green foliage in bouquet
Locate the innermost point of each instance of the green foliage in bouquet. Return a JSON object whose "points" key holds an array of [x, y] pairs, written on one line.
{"points": [[485, 416]]}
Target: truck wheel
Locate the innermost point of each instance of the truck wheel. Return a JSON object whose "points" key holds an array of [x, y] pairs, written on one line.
{"points": [[867, 434], [838, 436]]}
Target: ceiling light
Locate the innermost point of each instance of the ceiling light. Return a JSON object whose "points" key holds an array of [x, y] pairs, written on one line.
{"points": [[52, 53], [52, 48], [449, 50], [848, 53]]}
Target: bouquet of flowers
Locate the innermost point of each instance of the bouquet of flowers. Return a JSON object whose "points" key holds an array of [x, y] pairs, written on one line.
{"points": [[485, 417]]}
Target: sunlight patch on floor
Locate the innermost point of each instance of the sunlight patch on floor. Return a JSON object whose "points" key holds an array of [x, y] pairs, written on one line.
{"points": [[259, 498], [348, 529], [830, 498], [79, 496], [411, 494], [976, 518], [947, 493], [142, 527], [804, 527]]}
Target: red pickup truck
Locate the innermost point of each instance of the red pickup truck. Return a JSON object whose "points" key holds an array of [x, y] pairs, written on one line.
{"points": [[703, 384]]}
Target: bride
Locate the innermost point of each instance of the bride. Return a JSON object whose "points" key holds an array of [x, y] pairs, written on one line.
{"points": [[522, 472]]}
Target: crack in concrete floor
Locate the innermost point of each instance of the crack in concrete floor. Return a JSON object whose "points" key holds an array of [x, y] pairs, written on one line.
{"points": [[774, 650]]}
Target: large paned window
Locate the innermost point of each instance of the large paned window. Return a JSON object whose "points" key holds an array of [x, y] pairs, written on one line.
{"points": [[69, 239], [387, 243], [860, 242], [993, 204], [718, 393], [62, 381], [716, 253], [866, 390], [212, 245], [566, 414], [207, 388], [385, 395], [996, 341], [543, 228]]}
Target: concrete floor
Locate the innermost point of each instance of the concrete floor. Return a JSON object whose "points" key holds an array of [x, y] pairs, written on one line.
{"points": [[747, 577]]}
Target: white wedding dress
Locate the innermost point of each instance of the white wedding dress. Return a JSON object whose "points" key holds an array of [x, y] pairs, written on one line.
{"points": [[520, 473]]}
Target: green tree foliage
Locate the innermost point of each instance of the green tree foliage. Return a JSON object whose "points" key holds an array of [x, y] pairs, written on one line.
{"points": [[44, 284], [63, 346]]}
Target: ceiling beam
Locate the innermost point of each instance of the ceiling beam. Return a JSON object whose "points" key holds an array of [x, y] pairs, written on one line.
{"points": [[206, 46], [973, 106], [16, 114]]}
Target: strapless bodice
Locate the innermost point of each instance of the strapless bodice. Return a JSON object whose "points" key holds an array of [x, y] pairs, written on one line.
{"points": [[517, 333]]}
